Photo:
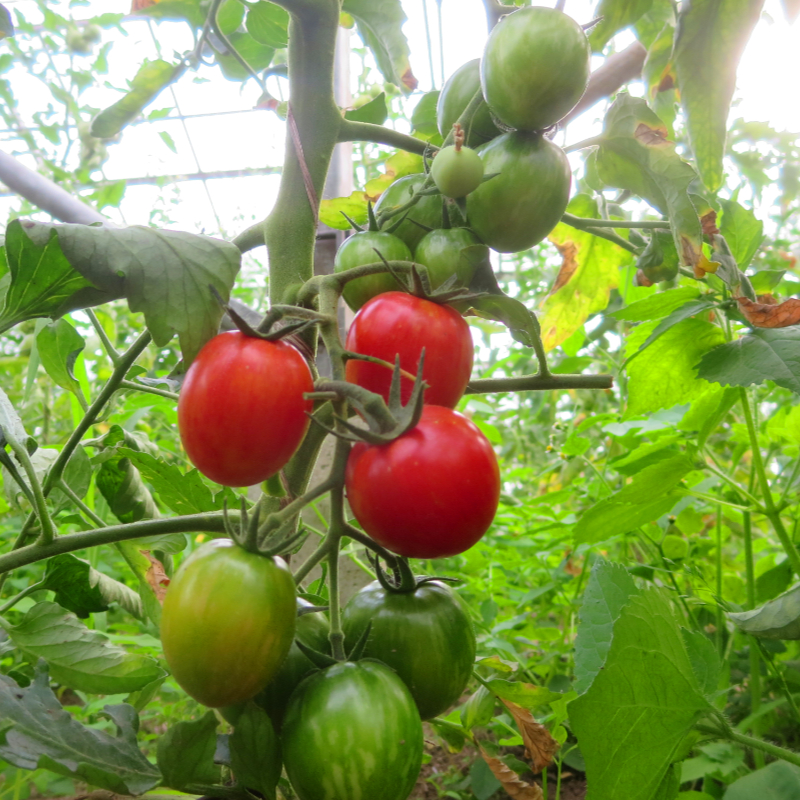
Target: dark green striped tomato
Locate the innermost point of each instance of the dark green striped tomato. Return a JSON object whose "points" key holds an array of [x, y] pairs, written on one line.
{"points": [[427, 211], [518, 207], [359, 249], [228, 622], [454, 98], [535, 67], [457, 171], [312, 631], [426, 636], [440, 252], [352, 732]]}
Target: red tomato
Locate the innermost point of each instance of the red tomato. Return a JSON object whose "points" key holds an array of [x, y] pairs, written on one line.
{"points": [[397, 323], [430, 493], [241, 413]]}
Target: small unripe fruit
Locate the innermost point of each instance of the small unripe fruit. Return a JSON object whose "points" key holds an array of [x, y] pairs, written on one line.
{"points": [[457, 171]]}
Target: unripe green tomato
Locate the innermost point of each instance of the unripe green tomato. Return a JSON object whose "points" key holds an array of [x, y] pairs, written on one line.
{"points": [[674, 547], [457, 171], [440, 252], [454, 98], [427, 211], [535, 67], [518, 207], [228, 622], [359, 249]]}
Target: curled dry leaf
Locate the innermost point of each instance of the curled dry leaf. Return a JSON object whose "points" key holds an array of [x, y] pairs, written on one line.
{"points": [[514, 786], [540, 746], [157, 578], [703, 266], [709, 223], [769, 315], [641, 279], [569, 253]]}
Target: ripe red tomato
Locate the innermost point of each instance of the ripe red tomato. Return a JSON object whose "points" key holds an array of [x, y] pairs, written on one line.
{"points": [[241, 413], [430, 493], [400, 324]]}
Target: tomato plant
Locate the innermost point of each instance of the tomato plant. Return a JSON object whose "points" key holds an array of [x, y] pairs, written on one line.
{"points": [[395, 324], [360, 722], [430, 493], [424, 634], [241, 413], [228, 622]]}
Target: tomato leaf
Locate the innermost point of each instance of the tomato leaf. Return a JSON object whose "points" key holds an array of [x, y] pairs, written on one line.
{"points": [[151, 79], [776, 619], [423, 118], [355, 206], [257, 55], [640, 706], [256, 752], [59, 346], [83, 590], [510, 781], [268, 24], [742, 231], [657, 306], [615, 15], [45, 736], [374, 111], [56, 268], [710, 39], [590, 270], [186, 753], [540, 746], [517, 317], [778, 781], [479, 709], [523, 694], [380, 24], [665, 374], [609, 589], [78, 657], [765, 354]]}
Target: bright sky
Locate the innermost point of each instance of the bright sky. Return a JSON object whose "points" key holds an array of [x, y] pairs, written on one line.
{"points": [[223, 133]]}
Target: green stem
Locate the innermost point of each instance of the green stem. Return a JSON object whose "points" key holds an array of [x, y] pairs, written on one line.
{"points": [[34, 587], [112, 351], [69, 543], [720, 474], [749, 741], [362, 538], [770, 510], [709, 498], [140, 387], [279, 518], [718, 587], [251, 237], [575, 222], [593, 142], [755, 659], [352, 131], [585, 222], [87, 512], [536, 383], [45, 522], [302, 571]]}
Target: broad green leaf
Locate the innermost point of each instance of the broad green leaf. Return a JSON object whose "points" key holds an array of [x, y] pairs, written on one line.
{"points": [[355, 206], [656, 479], [517, 317], [164, 274], [664, 375], [184, 493], [43, 735], [268, 24], [609, 589], [151, 79], [707, 411], [6, 25], [256, 752], [635, 154], [657, 306], [704, 658], [766, 354], [776, 619], [423, 118], [78, 657], [186, 753], [453, 737], [77, 475], [710, 39], [257, 55], [479, 709], [615, 15], [230, 16], [375, 111], [742, 231], [523, 694], [777, 781], [380, 24], [80, 588], [633, 719], [59, 346], [590, 270], [611, 518]]}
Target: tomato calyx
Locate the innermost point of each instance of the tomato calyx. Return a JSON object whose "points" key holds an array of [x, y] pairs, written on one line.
{"points": [[403, 580], [323, 660], [265, 541]]}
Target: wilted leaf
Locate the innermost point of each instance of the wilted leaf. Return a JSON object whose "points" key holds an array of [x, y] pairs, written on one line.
{"points": [[540, 746], [770, 315], [43, 735], [776, 619], [156, 578], [151, 79], [710, 39], [514, 786]]}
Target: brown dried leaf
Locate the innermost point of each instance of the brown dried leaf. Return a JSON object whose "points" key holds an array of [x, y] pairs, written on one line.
{"points": [[766, 315], [409, 80], [157, 578], [709, 223], [652, 137], [540, 746], [515, 787], [569, 253], [767, 299], [641, 279]]}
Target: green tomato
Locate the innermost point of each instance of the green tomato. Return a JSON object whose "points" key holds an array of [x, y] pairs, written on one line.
{"points": [[228, 622], [440, 252], [359, 249], [426, 636], [517, 208], [535, 67], [457, 172], [427, 211], [352, 732], [454, 98], [312, 631]]}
